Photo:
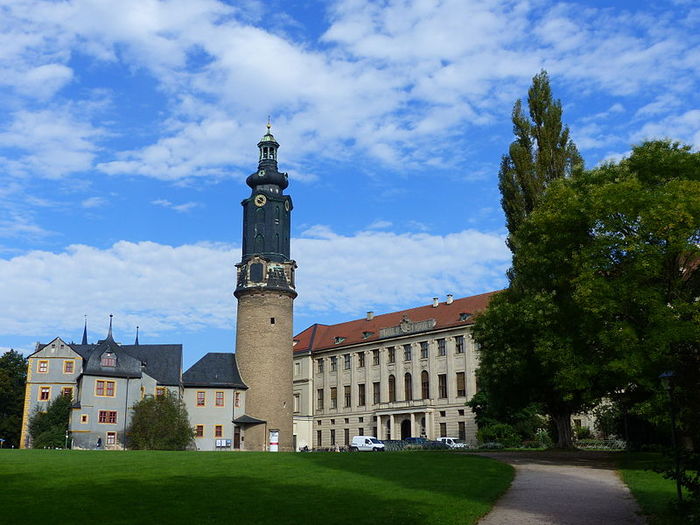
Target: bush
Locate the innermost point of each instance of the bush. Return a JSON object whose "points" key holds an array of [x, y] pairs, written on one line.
{"points": [[160, 423], [491, 445], [48, 428], [583, 433], [543, 438], [499, 433]]}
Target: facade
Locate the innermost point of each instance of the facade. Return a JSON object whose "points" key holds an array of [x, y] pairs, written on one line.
{"points": [[265, 293], [397, 375]]}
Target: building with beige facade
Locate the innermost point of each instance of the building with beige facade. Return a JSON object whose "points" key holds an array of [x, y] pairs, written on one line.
{"points": [[396, 375]]}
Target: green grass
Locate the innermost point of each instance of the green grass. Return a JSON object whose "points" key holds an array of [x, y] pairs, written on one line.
{"points": [[45, 486], [655, 494]]}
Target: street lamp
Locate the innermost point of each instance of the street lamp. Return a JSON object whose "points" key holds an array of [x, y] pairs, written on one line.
{"points": [[667, 383], [67, 434]]}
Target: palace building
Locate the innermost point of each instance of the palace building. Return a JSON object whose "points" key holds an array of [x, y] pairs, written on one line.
{"points": [[396, 375]]}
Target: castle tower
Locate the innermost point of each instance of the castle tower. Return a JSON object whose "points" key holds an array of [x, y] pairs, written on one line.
{"points": [[265, 292]]}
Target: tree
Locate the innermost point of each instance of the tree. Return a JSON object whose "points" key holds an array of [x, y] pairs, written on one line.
{"points": [[160, 423], [604, 291], [542, 152], [13, 374], [49, 428], [527, 328]]}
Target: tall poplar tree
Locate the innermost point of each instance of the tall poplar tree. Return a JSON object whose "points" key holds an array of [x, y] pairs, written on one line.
{"points": [[541, 152]]}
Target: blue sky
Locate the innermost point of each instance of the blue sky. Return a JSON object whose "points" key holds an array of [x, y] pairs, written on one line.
{"points": [[127, 130]]}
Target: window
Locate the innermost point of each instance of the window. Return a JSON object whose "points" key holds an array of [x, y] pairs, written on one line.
{"points": [[199, 431], [43, 367], [443, 429], [442, 385], [424, 350], [346, 361], [67, 391], [361, 360], [44, 393], [107, 416], [160, 391], [392, 354], [460, 412], [108, 359], [407, 352], [442, 413], [319, 399], [376, 393], [407, 387], [332, 436], [84, 418], [319, 365], [201, 398], [111, 438], [334, 397], [461, 389], [339, 340], [441, 347], [464, 316], [319, 437], [360, 431], [392, 388], [68, 366], [459, 344], [219, 399], [237, 399], [375, 357], [334, 364], [462, 431], [104, 388], [297, 369], [296, 402], [347, 436], [218, 431], [348, 396], [361, 394], [425, 384]]}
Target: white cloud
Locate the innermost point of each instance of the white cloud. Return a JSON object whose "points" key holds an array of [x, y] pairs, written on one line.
{"points": [[92, 202], [174, 288], [379, 225], [180, 208], [684, 127]]}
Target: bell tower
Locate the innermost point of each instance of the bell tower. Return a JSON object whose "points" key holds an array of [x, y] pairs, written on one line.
{"points": [[265, 293]]}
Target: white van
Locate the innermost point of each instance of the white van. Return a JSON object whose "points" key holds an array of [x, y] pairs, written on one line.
{"points": [[452, 442], [366, 443]]}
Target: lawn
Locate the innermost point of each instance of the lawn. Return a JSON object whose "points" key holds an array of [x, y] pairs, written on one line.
{"points": [[655, 494], [45, 486]]}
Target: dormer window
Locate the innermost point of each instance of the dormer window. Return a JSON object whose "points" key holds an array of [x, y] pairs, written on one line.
{"points": [[464, 316], [365, 335], [339, 340], [108, 359]]}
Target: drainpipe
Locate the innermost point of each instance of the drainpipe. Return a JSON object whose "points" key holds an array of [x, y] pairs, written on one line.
{"points": [[126, 410]]}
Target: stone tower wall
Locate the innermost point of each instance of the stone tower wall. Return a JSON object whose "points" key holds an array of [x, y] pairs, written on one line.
{"points": [[264, 356]]}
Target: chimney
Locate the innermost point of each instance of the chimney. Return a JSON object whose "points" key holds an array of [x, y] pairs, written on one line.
{"points": [[435, 302], [370, 316], [449, 298]]}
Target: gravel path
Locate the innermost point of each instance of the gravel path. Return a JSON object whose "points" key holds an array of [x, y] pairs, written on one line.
{"points": [[565, 489]]}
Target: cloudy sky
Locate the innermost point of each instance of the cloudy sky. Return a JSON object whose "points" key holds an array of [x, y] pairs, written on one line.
{"points": [[128, 127]]}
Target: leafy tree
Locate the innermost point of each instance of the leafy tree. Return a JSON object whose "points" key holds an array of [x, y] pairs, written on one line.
{"points": [[13, 374], [541, 152], [603, 292], [160, 423], [48, 428]]}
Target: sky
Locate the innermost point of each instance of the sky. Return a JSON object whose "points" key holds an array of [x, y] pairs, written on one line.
{"points": [[127, 129]]}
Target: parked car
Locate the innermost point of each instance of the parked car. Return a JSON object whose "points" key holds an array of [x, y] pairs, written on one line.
{"points": [[366, 443], [425, 443], [453, 442]]}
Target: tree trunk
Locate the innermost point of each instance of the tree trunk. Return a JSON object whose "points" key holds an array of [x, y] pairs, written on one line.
{"points": [[563, 422]]}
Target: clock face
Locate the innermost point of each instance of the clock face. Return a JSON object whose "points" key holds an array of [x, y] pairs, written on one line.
{"points": [[260, 200], [261, 173], [286, 205]]}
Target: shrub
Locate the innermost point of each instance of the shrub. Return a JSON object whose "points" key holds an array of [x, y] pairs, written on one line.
{"points": [[583, 433], [499, 433], [48, 428], [160, 423]]}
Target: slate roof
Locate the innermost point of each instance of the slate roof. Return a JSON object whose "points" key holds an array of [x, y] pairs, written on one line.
{"points": [[214, 370], [319, 337], [248, 420], [162, 362]]}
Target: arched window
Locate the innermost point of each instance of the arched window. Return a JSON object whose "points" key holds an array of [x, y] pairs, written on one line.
{"points": [[260, 215], [259, 243], [392, 388], [425, 384], [407, 387]]}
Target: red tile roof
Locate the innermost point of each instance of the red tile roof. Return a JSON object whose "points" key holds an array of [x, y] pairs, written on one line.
{"points": [[321, 336]]}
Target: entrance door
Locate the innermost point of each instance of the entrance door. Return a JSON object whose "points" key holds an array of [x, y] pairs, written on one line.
{"points": [[405, 428], [237, 437]]}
